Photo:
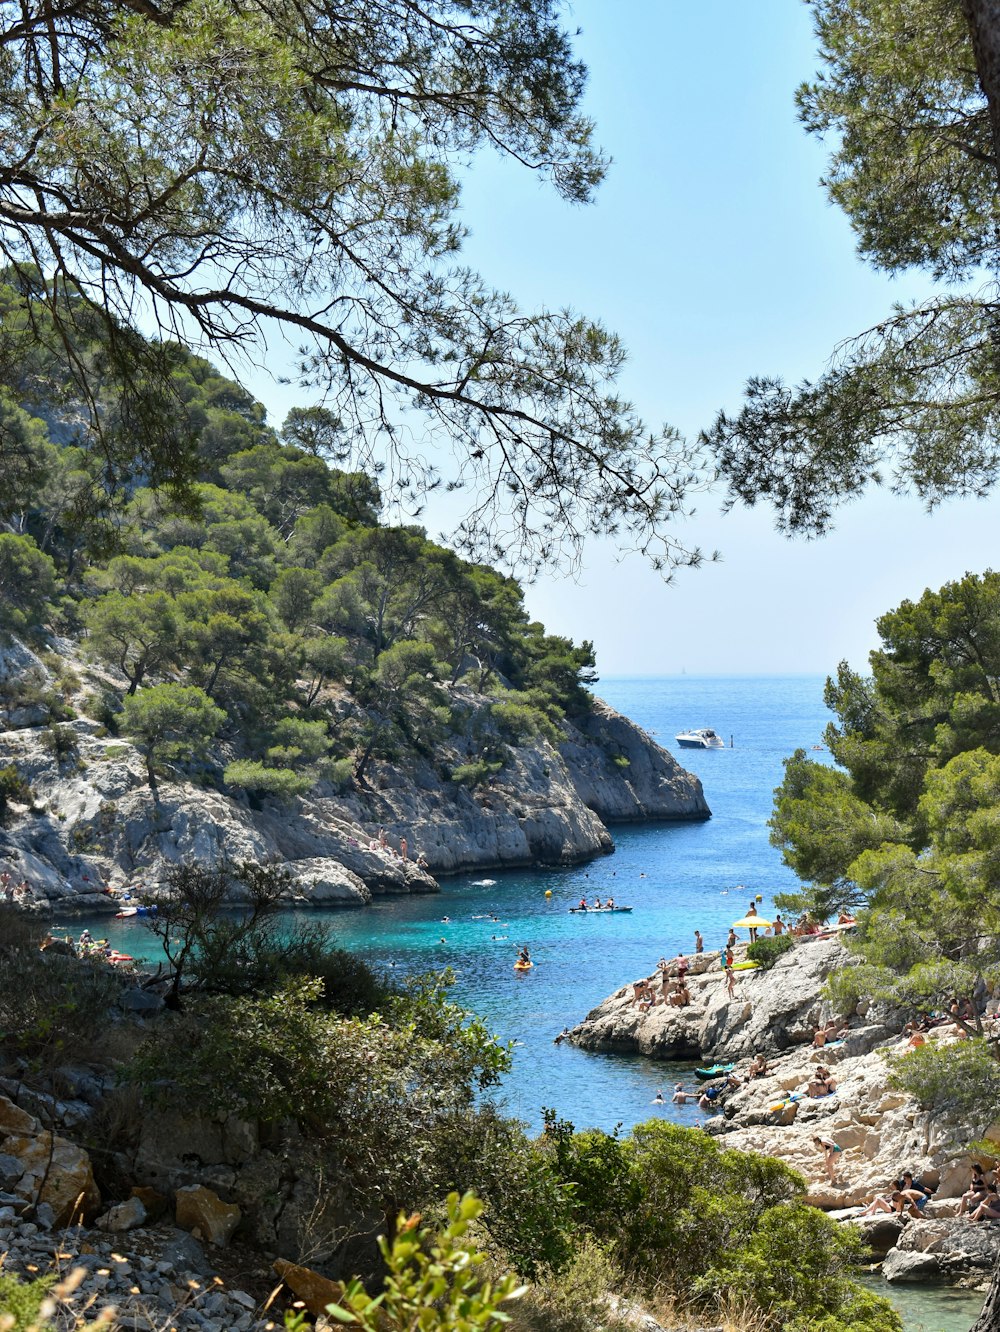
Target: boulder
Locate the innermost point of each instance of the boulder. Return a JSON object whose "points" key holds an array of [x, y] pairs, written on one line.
{"points": [[899, 1266], [880, 1233], [15, 1120], [323, 881], [57, 1172], [205, 1215], [315, 1291], [124, 1216], [11, 1170]]}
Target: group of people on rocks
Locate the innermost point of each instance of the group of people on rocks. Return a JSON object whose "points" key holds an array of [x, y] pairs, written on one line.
{"points": [[14, 892], [382, 846]]}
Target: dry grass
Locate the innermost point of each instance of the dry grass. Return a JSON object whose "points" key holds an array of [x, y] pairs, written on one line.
{"points": [[733, 1313]]}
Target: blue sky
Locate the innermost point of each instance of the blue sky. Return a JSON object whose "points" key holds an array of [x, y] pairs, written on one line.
{"points": [[712, 250]]}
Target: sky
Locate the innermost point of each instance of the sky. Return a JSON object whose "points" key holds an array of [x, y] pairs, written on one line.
{"points": [[712, 250]]}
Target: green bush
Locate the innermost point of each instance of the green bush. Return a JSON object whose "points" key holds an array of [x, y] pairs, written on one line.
{"points": [[53, 1008], [23, 1303], [252, 775], [60, 741], [13, 786], [287, 1057], [475, 774], [765, 952], [433, 1280], [338, 772], [573, 1298], [676, 1209]]}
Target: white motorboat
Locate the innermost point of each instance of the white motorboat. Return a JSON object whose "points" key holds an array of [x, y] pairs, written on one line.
{"points": [[706, 738]]}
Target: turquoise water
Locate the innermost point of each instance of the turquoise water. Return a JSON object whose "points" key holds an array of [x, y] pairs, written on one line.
{"points": [[930, 1308], [677, 877]]}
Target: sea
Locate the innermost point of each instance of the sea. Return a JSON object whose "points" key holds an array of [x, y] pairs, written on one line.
{"points": [[677, 877]]}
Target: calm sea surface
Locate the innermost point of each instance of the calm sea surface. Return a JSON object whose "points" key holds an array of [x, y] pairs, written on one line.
{"points": [[677, 877]]}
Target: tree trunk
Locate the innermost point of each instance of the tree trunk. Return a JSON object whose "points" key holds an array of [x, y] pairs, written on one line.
{"points": [[989, 1319], [983, 18], [359, 770]]}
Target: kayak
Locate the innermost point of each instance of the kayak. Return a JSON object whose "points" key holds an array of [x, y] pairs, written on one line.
{"points": [[523, 966], [597, 911], [745, 966], [716, 1071], [126, 912]]}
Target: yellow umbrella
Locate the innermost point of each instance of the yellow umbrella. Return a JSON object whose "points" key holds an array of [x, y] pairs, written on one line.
{"points": [[752, 923]]}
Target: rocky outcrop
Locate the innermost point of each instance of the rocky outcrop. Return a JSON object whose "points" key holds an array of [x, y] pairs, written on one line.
{"points": [[771, 1012], [41, 1169], [881, 1131], [94, 821], [954, 1250]]}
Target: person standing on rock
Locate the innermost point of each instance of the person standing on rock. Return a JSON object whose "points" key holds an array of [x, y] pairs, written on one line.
{"points": [[699, 942], [730, 980], [831, 1150]]}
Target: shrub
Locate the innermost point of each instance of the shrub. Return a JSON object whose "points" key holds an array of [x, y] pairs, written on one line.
{"points": [[958, 1086], [25, 1305], [676, 1208], [432, 1281], [60, 741], [104, 707], [574, 1298], [13, 786], [53, 1008], [765, 952], [474, 774], [338, 772], [252, 775]]}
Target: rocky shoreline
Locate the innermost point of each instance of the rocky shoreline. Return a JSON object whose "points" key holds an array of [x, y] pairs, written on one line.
{"points": [[881, 1131], [93, 822]]}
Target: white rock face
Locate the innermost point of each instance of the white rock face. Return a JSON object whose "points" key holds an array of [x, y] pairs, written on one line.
{"points": [[96, 823]]}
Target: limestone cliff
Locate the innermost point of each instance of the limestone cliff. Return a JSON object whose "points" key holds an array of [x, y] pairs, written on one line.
{"points": [[94, 820]]}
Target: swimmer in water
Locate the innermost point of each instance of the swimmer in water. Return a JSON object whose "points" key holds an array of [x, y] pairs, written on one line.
{"points": [[445, 920], [658, 1098]]}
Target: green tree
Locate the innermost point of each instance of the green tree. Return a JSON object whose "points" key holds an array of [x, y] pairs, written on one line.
{"points": [[909, 95], [170, 723], [957, 1087], [204, 166], [316, 430], [403, 695], [137, 632], [28, 584]]}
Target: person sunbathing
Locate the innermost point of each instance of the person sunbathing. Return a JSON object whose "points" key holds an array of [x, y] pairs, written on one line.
{"points": [[822, 1084], [758, 1067], [829, 1032], [880, 1203]]}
